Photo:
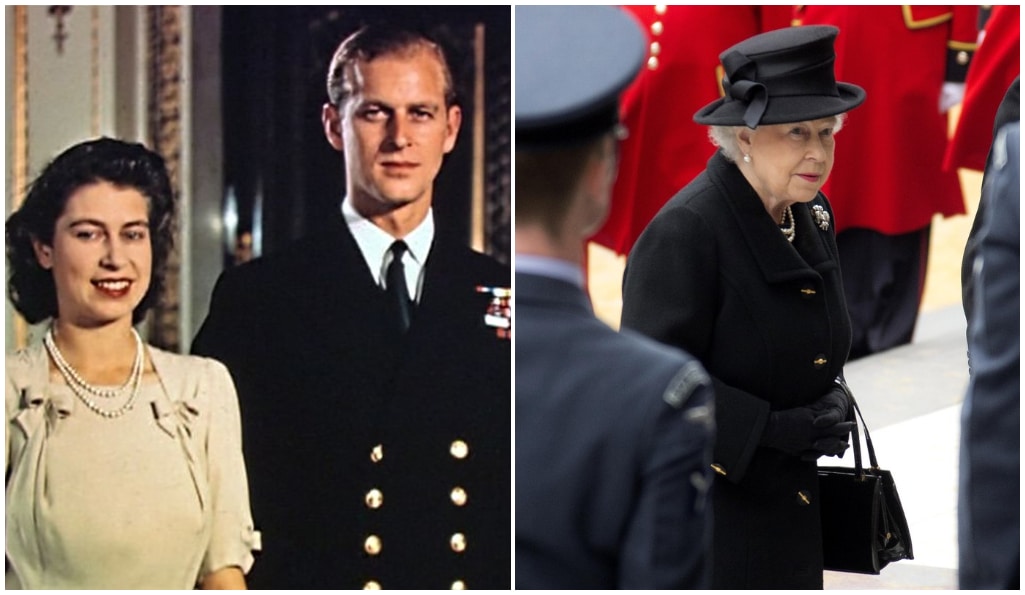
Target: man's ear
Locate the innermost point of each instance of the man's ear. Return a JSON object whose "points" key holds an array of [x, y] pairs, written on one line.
{"points": [[44, 253], [332, 121], [452, 123]]}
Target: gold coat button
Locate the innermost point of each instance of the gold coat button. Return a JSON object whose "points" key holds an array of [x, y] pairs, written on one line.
{"points": [[458, 496], [962, 58], [458, 543], [803, 498], [819, 361], [372, 586], [660, 9], [718, 469], [652, 63], [459, 586], [459, 449], [372, 545], [374, 499], [656, 27], [377, 453], [808, 292], [655, 48]]}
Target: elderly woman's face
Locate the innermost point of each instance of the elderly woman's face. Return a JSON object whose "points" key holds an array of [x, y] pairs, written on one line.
{"points": [[790, 162], [101, 257]]}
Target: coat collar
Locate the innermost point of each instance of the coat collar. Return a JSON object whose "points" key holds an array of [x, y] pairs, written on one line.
{"points": [[547, 291], [779, 261]]}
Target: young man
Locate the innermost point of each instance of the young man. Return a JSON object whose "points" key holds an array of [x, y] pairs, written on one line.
{"points": [[374, 394], [613, 431]]}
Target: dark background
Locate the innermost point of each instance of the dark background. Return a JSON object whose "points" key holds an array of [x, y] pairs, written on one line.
{"points": [[275, 62]]}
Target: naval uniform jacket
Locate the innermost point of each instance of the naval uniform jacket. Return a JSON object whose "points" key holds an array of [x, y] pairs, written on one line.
{"points": [[713, 275], [613, 444], [375, 459]]}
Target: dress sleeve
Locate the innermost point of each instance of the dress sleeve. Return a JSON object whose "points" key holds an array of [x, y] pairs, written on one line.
{"points": [[233, 538]]}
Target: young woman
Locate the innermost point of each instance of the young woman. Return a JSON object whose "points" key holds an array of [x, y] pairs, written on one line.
{"points": [[123, 462]]}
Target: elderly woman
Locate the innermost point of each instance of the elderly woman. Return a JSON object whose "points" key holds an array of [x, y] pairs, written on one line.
{"points": [[123, 462], [740, 269]]}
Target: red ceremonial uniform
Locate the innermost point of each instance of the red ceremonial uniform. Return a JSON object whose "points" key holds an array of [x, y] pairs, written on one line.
{"points": [[666, 149], [995, 65], [888, 174]]}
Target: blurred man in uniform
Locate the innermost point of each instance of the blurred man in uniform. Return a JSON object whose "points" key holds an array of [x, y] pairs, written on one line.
{"points": [[613, 431], [888, 181], [374, 393]]}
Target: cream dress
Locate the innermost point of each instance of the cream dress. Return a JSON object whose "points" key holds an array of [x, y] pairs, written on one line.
{"points": [[154, 499]]}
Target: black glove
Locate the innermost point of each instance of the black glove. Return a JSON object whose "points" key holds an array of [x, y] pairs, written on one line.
{"points": [[832, 408], [800, 432]]}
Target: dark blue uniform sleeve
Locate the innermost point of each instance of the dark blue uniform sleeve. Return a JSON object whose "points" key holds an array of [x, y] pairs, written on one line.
{"points": [[668, 539]]}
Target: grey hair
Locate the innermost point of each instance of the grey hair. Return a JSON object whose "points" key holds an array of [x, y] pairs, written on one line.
{"points": [[725, 137]]}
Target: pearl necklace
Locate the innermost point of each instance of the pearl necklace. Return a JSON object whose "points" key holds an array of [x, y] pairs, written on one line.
{"points": [[83, 389], [788, 231]]}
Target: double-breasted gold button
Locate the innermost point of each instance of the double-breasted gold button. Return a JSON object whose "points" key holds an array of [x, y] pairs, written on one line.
{"points": [[459, 449], [372, 586], [377, 453], [457, 542], [374, 498], [458, 496], [372, 545], [458, 586]]}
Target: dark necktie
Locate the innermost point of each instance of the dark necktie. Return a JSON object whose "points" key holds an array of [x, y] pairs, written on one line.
{"points": [[398, 295]]}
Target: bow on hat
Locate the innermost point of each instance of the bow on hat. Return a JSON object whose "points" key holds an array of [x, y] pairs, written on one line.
{"points": [[740, 88]]}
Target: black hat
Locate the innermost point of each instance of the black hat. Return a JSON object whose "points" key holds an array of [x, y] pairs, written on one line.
{"points": [[779, 77], [572, 63]]}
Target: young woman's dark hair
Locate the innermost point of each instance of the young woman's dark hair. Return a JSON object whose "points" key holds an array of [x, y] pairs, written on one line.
{"points": [[126, 165]]}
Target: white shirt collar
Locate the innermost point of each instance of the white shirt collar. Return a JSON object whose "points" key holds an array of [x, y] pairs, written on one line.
{"points": [[374, 243]]}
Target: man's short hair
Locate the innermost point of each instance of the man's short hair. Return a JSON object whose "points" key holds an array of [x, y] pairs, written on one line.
{"points": [[372, 41], [547, 178]]}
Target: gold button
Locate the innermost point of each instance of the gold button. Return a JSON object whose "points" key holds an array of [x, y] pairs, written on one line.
{"points": [[372, 586], [803, 498], [458, 496], [459, 586], [962, 58], [377, 453], [372, 545], [458, 543], [652, 63], [718, 469], [459, 449], [374, 498], [808, 291], [660, 9], [656, 48], [820, 361], [656, 27]]}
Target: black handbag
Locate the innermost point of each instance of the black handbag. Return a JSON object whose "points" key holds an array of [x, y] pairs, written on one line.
{"points": [[863, 524]]}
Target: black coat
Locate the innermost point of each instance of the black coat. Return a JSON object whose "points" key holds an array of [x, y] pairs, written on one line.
{"points": [[322, 382], [712, 274], [613, 445]]}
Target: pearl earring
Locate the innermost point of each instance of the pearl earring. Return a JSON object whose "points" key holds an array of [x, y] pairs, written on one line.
{"points": [[747, 158]]}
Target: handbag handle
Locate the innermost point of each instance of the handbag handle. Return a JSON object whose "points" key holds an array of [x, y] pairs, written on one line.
{"points": [[855, 436]]}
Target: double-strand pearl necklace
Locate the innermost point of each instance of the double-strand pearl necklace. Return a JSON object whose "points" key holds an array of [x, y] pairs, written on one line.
{"points": [[83, 389], [788, 231]]}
